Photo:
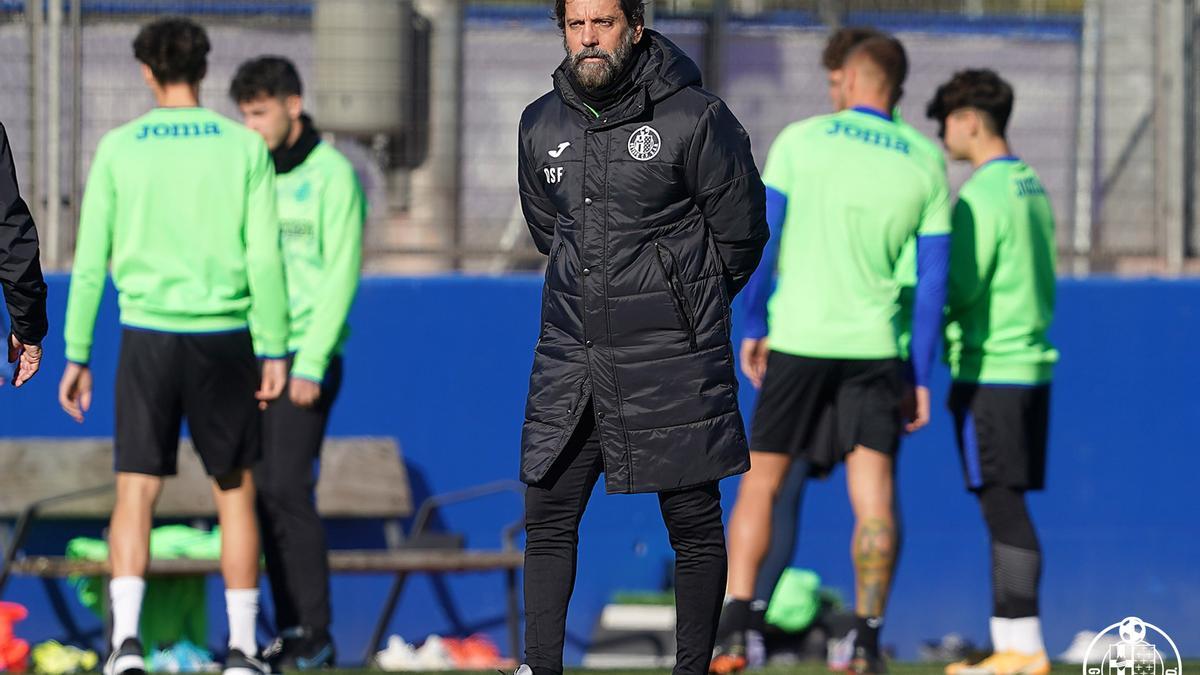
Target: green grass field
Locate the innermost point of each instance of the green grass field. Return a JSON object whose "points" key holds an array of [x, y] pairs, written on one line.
{"points": [[800, 669]]}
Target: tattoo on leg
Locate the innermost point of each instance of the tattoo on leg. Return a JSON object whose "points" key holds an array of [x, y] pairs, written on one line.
{"points": [[874, 555]]}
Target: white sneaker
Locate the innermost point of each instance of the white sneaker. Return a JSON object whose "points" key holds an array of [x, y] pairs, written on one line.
{"points": [[839, 652], [433, 655], [1077, 652], [399, 655]]}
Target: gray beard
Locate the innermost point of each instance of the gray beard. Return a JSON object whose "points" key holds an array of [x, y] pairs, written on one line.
{"points": [[598, 75]]}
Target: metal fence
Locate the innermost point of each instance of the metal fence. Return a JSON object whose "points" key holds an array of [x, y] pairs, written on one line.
{"points": [[1105, 104], [1137, 126]]}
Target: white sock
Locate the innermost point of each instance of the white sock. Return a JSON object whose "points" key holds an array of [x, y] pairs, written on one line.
{"points": [[1001, 634], [1026, 635], [242, 607], [125, 596]]}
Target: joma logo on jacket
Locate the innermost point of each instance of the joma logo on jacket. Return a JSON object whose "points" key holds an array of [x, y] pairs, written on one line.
{"points": [[177, 130]]}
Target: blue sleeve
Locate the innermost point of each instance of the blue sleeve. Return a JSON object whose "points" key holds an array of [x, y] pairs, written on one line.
{"points": [[762, 282], [933, 267]]}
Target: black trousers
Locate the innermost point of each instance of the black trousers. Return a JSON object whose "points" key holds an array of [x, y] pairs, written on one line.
{"points": [[553, 509], [292, 534]]}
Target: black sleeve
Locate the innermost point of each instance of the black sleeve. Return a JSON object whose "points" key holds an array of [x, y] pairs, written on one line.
{"points": [[20, 271], [540, 213], [729, 192]]}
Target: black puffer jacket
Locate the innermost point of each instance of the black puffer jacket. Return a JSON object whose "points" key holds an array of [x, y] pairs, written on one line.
{"points": [[21, 280], [653, 215]]}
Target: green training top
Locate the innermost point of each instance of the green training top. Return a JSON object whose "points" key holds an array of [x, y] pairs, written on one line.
{"points": [[1002, 265], [858, 191], [321, 213], [906, 266], [182, 200]]}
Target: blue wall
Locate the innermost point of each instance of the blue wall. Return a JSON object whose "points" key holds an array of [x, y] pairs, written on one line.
{"points": [[441, 364]]}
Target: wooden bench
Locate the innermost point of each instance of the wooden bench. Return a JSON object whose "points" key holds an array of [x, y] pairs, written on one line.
{"points": [[361, 478]]}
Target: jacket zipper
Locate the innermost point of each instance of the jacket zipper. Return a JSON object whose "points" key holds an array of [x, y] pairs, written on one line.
{"points": [[575, 410], [676, 296], [683, 296]]}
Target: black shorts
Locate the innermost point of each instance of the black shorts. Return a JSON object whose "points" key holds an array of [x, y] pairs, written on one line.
{"points": [[209, 378], [1002, 433], [820, 409]]}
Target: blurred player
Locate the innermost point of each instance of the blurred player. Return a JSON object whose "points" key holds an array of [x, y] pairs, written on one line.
{"points": [[785, 515], [182, 202], [321, 210], [833, 386], [1001, 303], [21, 280]]}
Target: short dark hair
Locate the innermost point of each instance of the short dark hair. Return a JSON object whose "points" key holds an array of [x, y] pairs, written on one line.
{"points": [[634, 10], [888, 54], [272, 76], [842, 41], [175, 49], [979, 88]]}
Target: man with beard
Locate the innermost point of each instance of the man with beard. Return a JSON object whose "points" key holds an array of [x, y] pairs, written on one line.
{"points": [[641, 188]]}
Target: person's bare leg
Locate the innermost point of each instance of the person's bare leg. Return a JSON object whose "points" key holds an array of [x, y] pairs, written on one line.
{"points": [[748, 539], [869, 480], [129, 529], [129, 555], [750, 522], [234, 495]]}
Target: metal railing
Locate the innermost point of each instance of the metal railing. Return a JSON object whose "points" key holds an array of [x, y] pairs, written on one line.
{"points": [[1105, 106]]}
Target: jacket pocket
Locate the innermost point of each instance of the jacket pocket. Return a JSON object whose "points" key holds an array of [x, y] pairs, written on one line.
{"points": [[683, 308], [556, 277]]}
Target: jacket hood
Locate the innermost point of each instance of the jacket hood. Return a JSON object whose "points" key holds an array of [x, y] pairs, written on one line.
{"points": [[667, 69]]}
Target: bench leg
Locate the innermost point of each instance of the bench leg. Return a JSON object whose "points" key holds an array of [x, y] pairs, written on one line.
{"points": [[106, 604], [514, 615], [385, 617], [62, 611]]}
